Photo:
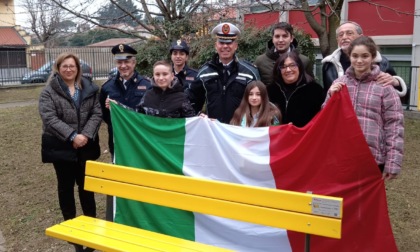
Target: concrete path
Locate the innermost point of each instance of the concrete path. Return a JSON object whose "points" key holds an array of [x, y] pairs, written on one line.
{"points": [[18, 104]]}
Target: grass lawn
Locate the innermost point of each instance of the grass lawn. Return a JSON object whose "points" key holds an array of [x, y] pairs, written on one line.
{"points": [[28, 192]]}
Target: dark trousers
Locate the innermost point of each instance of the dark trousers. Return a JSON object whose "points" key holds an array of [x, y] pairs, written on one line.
{"points": [[69, 174], [381, 167]]}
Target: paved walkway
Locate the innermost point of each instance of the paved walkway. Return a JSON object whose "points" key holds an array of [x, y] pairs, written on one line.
{"points": [[412, 114], [18, 104]]}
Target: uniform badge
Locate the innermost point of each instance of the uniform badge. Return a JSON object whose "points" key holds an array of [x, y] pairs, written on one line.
{"points": [[178, 42], [189, 78], [121, 47], [225, 29], [141, 87]]}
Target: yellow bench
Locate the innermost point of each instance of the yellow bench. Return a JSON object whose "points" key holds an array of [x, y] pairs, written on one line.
{"points": [[300, 212]]}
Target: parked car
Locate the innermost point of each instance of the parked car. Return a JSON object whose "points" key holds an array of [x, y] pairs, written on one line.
{"points": [[41, 75], [112, 73]]}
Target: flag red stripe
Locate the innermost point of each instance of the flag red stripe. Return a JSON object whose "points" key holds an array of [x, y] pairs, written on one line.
{"points": [[330, 156]]}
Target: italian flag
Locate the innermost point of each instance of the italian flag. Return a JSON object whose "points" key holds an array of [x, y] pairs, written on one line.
{"points": [[329, 156]]}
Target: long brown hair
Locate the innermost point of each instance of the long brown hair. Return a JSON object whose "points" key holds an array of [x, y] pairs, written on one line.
{"points": [[267, 110], [59, 60]]}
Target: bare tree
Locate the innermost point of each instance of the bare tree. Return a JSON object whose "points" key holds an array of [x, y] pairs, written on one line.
{"points": [[323, 16], [163, 19], [44, 19], [326, 11], [330, 13]]}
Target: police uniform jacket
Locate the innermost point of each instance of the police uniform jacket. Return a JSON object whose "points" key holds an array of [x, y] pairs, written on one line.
{"points": [[221, 94], [186, 76], [172, 102], [114, 89]]}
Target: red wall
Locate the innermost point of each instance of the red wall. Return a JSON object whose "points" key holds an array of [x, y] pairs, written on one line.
{"points": [[377, 20], [297, 19], [374, 20], [261, 20]]}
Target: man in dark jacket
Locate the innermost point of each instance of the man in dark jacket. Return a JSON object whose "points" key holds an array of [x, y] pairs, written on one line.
{"points": [[127, 87], [179, 56], [221, 82], [282, 41], [336, 64]]}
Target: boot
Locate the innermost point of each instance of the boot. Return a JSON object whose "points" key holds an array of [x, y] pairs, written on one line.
{"points": [[79, 248]]}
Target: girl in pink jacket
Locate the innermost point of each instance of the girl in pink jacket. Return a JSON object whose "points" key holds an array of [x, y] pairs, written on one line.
{"points": [[378, 107]]}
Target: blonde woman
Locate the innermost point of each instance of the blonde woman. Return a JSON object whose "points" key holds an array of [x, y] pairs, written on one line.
{"points": [[71, 116]]}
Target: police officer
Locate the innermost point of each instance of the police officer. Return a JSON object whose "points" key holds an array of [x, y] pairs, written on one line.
{"points": [[127, 87], [221, 82], [179, 56]]}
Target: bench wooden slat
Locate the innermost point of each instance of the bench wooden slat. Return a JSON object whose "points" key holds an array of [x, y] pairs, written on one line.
{"points": [[301, 212], [311, 224], [108, 236], [279, 199]]}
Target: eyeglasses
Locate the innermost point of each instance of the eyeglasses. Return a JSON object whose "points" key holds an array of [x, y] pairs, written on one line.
{"points": [[348, 34], [291, 66], [70, 67]]}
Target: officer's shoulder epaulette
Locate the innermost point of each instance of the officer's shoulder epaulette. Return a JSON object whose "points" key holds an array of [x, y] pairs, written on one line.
{"points": [[109, 81], [192, 70], [246, 62]]}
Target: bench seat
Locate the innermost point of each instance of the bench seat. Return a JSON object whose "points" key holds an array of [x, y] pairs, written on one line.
{"points": [[108, 236], [301, 212]]}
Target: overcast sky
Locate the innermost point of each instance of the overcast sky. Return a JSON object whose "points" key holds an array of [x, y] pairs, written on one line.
{"points": [[22, 16]]}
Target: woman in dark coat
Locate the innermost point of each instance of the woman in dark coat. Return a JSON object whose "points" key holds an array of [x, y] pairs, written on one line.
{"points": [[294, 92], [71, 116], [167, 97]]}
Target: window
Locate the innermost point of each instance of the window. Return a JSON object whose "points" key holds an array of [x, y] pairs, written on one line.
{"points": [[310, 2]]}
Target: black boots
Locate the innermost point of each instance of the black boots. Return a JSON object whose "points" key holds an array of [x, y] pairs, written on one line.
{"points": [[79, 248]]}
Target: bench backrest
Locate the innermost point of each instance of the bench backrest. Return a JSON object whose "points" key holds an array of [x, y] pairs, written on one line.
{"points": [[302, 212]]}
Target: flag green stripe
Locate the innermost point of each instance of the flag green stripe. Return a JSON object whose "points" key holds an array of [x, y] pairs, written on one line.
{"points": [[164, 153]]}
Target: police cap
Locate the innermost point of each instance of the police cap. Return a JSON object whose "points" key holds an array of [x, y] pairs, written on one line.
{"points": [[179, 45], [123, 52], [226, 32]]}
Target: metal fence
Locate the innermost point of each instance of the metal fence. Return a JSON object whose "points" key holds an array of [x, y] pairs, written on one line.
{"points": [[14, 65], [12, 72]]}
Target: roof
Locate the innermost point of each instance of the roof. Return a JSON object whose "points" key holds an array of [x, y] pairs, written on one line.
{"points": [[9, 37], [115, 41]]}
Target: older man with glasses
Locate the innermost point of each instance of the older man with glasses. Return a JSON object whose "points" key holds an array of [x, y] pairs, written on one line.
{"points": [[336, 64]]}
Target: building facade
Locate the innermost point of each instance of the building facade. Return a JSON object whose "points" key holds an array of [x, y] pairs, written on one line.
{"points": [[394, 25]]}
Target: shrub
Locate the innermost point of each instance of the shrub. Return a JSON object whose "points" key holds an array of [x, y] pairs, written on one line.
{"points": [[252, 42]]}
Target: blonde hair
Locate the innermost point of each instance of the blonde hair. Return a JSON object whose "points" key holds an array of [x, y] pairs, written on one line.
{"points": [[163, 63], [59, 60]]}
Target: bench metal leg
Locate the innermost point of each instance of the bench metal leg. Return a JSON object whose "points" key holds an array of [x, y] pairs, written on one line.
{"points": [[307, 242], [109, 214]]}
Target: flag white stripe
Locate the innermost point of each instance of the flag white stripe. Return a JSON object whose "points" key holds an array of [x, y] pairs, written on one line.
{"points": [[244, 160]]}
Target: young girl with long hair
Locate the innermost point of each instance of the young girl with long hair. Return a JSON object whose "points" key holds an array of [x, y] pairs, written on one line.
{"points": [[255, 109]]}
